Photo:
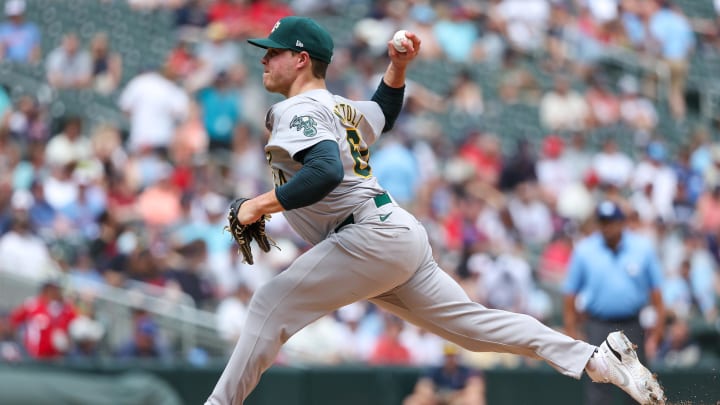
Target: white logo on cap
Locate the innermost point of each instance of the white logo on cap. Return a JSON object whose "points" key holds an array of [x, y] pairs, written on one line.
{"points": [[299, 44], [607, 208], [277, 24]]}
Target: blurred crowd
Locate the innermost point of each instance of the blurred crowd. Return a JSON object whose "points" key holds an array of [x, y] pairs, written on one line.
{"points": [[143, 207]]}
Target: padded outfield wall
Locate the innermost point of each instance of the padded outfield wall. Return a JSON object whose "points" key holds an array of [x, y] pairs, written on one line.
{"points": [[150, 383]]}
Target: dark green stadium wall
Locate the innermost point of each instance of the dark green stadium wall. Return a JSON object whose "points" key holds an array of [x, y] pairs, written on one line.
{"points": [[351, 385]]}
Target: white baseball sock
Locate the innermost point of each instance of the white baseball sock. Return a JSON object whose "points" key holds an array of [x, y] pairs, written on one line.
{"points": [[597, 367]]}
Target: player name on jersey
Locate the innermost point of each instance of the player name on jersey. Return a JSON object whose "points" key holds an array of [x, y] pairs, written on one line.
{"points": [[349, 115]]}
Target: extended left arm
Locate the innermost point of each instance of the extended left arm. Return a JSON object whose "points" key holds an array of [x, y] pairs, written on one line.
{"points": [[321, 172]]}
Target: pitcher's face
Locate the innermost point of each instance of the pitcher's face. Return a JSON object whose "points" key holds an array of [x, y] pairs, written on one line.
{"points": [[279, 72]]}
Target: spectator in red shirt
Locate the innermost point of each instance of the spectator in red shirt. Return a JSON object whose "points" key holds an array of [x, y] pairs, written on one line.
{"points": [[184, 63], [45, 319], [388, 349], [234, 14], [222, 10], [265, 13], [555, 259], [483, 151]]}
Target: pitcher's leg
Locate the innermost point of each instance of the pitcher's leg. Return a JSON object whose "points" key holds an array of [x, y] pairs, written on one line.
{"points": [[434, 301], [332, 274]]}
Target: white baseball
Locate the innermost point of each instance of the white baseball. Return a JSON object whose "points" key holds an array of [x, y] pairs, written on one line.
{"points": [[397, 41]]}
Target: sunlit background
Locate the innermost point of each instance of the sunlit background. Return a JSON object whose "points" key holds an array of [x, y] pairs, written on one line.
{"points": [[127, 127]]}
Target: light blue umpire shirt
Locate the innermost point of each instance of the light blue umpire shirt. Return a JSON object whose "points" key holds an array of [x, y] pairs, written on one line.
{"points": [[613, 285]]}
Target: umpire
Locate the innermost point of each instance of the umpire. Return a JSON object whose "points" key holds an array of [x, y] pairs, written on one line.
{"points": [[612, 275]]}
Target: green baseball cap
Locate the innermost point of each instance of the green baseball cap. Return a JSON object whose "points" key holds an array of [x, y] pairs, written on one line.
{"points": [[299, 34]]}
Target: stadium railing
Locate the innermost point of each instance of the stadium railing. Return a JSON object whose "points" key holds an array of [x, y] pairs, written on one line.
{"points": [[182, 325]]}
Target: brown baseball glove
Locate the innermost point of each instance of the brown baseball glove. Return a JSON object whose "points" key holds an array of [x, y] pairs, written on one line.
{"points": [[244, 234]]}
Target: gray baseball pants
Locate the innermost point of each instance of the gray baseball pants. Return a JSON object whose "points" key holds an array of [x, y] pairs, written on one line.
{"points": [[389, 263]]}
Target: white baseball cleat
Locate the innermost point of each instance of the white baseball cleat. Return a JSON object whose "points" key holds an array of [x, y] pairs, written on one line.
{"points": [[616, 362]]}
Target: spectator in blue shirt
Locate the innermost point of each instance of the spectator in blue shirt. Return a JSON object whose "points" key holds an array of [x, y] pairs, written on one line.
{"points": [[396, 169], [449, 383], [145, 343], [675, 39], [42, 214], [458, 36], [220, 105], [613, 274], [5, 102], [691, 292], [19, 40], [633, 26]]}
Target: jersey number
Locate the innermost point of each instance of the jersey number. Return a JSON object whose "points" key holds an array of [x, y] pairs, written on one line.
{"points": [[360, 155]]}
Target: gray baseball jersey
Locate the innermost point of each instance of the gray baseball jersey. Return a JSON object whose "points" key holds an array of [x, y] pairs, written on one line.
{"points": [[382, 255], [302, 121]]}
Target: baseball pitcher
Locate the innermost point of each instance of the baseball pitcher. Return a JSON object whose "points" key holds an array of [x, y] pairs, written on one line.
{"points": [[365, 245]]}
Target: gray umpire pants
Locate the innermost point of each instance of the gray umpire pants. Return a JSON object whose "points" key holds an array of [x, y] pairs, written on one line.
{"points": [[390, 263], [596, 331]]}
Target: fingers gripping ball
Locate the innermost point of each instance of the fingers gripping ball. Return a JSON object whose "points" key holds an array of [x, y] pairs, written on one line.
{"points": [[398, 39], [244, 234]]}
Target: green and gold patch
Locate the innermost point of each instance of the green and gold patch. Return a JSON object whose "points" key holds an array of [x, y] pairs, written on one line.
{"points": [[306, 124]]}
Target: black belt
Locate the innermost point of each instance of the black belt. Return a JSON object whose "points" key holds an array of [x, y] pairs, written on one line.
{"points": [[380, 200]]}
